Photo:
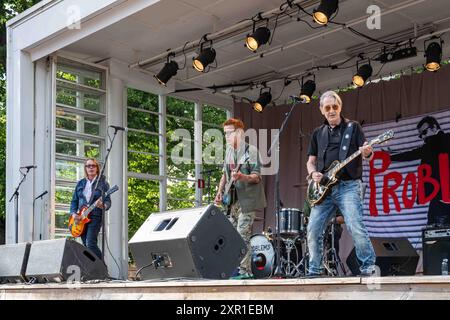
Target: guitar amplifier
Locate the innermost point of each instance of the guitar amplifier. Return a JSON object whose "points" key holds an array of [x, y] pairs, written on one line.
{"points": [[436, 247]]}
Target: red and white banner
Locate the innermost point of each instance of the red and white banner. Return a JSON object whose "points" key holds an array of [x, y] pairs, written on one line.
{"points": [[399, 191]]}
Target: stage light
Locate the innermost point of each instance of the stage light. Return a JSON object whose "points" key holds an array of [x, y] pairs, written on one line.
{"points": [[324, 11], [205, 57], [259, 37], [168, 71], [433, 53], [307, 91], [264, 99], [364, 72]]}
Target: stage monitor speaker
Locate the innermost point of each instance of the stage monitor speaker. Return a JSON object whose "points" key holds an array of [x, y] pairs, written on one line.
{"points": [[13, 262], [394, 257], [193, 243], [436, 247], [57, 260]]}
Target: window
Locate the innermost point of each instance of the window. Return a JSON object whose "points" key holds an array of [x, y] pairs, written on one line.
{"points": [[212, 118], [80, 126], [180, 154], [144, 157], [145, 175]]}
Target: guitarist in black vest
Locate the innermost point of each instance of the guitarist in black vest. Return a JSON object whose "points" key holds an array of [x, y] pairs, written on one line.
{"points": [[335, 140], [242, 166]]}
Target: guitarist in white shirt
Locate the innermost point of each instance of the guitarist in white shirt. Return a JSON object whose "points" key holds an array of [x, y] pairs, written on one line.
{"points": [[334, 140], [242, 166]]}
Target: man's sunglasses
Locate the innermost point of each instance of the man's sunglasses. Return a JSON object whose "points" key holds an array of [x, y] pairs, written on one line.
{"points": [[327, 108], [424, 132], [90, 166]]}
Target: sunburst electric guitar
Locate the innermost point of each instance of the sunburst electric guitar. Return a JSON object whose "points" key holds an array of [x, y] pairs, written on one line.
{"points": [[77, 229], [317, 191]]}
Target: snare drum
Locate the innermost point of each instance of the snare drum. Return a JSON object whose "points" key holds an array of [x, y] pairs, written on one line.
{"points": [[291, 222]]}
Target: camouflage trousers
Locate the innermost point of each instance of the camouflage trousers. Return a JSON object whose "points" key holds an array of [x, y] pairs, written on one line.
{"points": [[243, 223]]}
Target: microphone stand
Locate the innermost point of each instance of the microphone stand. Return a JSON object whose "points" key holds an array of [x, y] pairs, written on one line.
{"points": [[15, 196], [39, 196], [108, 151], [208, 184], [278, 272]]}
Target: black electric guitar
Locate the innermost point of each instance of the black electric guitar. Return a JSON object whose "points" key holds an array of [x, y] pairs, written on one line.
{"points": [[317, 191]]}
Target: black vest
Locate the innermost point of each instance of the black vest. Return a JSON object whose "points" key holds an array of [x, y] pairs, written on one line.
{"points": [[322, 143]]}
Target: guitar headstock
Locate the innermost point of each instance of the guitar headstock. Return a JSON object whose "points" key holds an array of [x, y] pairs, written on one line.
{"points": [[112, 190], [388, 135]]}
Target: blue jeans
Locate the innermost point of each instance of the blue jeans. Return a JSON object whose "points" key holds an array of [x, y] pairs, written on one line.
{"points": [[89, 237], [346, 195]]}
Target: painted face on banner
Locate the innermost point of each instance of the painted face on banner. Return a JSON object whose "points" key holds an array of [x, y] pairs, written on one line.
{"points": [[426, 130]]}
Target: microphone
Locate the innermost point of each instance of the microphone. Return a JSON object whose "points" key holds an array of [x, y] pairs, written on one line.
{"points": [[29, 167], [41, 195], [117, 128]]}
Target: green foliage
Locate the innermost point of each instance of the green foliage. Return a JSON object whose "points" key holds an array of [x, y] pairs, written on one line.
{"points": [[8, 9]]}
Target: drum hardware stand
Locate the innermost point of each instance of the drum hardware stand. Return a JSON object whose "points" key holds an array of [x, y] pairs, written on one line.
{"points": [[290, 244], [332, 265], [304, 261], [278, 272]]}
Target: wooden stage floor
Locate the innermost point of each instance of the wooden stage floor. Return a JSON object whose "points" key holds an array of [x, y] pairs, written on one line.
{"points": [[348, 288]]}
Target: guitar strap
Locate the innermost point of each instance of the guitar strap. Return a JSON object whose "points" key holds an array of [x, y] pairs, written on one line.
{"points": [[345, 142]]}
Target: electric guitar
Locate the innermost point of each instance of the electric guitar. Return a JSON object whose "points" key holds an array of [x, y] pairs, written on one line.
{"points": [[77, 229], [317, 191]]}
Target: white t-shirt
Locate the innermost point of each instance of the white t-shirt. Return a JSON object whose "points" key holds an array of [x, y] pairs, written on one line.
{"points": [[87, 192]]}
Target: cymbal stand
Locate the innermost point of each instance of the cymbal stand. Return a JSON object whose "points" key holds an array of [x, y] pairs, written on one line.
{"points": [[334, 265]]}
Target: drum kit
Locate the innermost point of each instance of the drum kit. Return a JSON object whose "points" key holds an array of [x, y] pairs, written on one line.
{"points": [[293, 249]]}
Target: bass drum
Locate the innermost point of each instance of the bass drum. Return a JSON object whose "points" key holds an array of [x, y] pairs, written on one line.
{"points": [[263, 256]]}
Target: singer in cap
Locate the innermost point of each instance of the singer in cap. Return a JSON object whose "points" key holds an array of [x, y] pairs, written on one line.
{"points": [[85, 195]]}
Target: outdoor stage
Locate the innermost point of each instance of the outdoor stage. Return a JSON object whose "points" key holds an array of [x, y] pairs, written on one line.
{"points": [[348, 288]]}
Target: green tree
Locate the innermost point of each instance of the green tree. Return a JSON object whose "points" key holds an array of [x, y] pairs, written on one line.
{"points": [[8, 9]]}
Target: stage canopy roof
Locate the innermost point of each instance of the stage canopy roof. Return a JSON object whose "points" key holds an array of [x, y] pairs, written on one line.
{"points": [[141, 33]]}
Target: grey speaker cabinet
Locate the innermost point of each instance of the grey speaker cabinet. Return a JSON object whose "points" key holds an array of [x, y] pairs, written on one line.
{"points": [[13, 262], [193, 243]]}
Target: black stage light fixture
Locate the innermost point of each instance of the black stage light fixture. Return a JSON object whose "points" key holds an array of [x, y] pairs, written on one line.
{"points": [[264, 99], [205, 57], [364, 72], [168, 71], [433, 53], [307, 90], [259, 37], [399, 54], [324, 11]]}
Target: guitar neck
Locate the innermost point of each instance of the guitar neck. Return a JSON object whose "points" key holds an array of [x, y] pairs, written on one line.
{"points": [[349, 159], [89, 210], [230, 182]]}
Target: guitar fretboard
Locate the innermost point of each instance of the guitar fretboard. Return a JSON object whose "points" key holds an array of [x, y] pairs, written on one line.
{"points": [[349, 159]]}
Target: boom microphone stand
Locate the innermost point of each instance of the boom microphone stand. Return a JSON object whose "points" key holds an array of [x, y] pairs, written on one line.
{"points": [[208, 183], [108, 151], [295, 100], [15, 196]]}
